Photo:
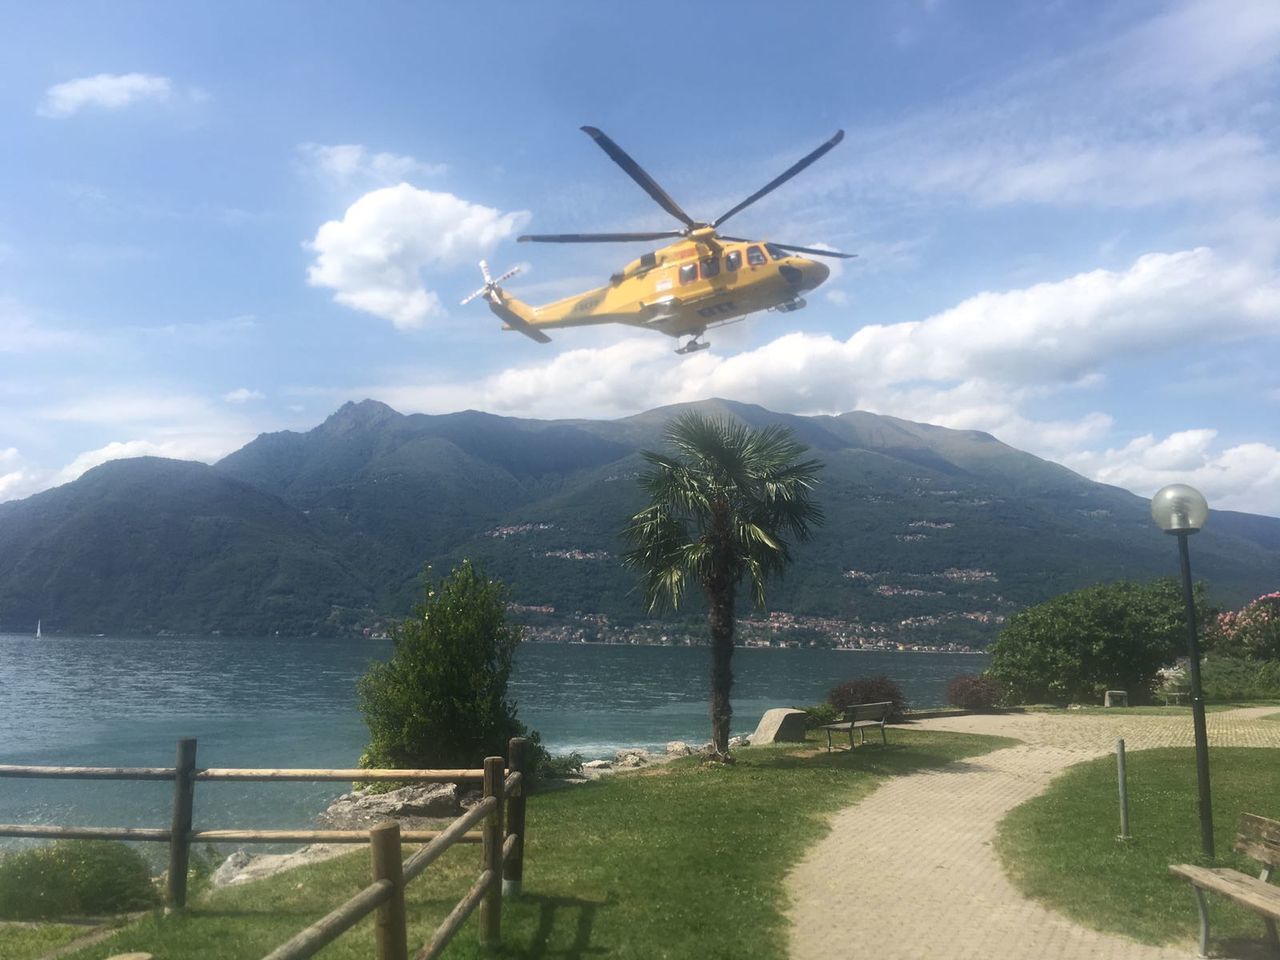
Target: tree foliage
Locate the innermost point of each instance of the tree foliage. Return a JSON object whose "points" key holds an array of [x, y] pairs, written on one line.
{"points": [[441, 700], [1078, 645], [720, 510]]}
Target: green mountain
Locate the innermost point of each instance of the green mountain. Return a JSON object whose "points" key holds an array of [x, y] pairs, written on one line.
{"points": [[932, 534]]}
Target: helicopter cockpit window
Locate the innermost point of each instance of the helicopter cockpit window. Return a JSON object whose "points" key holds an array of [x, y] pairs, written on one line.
{"points": [[689, 273], [776, 251], [755, 256], [733, 260], [710, 267]]}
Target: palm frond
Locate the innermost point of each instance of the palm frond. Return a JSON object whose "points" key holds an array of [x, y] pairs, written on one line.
{"points": [[721, 506]]}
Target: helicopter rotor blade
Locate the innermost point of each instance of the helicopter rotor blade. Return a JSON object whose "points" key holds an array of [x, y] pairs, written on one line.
{"points": [[782, 178], [484, 272], [810, 251], [597, 237], [508, 275], [465, 300], [638, 174]]}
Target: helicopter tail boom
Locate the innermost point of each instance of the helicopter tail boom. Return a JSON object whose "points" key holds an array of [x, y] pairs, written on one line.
{"points": [[517, 314]]}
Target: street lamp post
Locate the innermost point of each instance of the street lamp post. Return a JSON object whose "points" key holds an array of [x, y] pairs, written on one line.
{"points": [[1180, 510]]}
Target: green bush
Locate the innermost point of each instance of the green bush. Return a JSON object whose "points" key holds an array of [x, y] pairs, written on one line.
{"points": [[819, 714], [1225, 678], [74, 878], [558, 766], [1075, 646], [441, 700], [870, 690]]}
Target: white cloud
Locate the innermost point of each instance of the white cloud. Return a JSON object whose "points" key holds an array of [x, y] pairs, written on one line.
{"points": [[242, 395], [108, 91], [346, 161], [1242, 477], [203, 447], [156, 407], [374, 256], [1178, 107], [19, 333]]}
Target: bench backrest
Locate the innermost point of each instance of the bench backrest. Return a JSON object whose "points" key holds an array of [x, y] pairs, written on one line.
{"points": [[1259, 838], [868, 711]]}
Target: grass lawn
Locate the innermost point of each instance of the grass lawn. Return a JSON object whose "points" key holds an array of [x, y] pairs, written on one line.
{"points": [[685, 861], [1061, 847], [26, 941]]}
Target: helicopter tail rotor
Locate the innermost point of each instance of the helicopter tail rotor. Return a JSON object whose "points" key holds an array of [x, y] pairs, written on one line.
{"points": [[490, 290]]}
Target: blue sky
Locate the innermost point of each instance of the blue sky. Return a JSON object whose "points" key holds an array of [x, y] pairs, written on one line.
{"points": [[224, 219]]}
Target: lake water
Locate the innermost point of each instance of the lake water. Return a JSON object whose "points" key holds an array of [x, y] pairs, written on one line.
{"points": [[269, 702]]}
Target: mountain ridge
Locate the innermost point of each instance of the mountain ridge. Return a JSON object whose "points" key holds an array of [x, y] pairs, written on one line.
{"points": [[931, 532]]}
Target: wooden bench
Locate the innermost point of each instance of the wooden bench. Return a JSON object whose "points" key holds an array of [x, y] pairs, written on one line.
{"points": [[859, 717], [1258, 838]]}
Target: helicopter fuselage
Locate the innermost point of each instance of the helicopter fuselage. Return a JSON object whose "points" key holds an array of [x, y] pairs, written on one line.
{"points": [[685, 288]]}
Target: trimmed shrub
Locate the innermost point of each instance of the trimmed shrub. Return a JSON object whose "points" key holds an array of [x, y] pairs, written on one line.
{"points": [[975, 692], [871, 690], [75, 878]]}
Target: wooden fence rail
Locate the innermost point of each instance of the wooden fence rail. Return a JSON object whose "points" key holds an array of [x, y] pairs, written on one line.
{"points": [[502, 846]]}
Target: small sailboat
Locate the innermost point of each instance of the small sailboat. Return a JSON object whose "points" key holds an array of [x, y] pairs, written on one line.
{"points": [[37, 629]]}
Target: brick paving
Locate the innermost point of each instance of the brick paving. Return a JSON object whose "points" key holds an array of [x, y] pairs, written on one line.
{"points": [[909, 872]]}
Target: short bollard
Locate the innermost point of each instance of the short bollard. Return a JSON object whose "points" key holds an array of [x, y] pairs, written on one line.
{"points": [[1124, 791]]}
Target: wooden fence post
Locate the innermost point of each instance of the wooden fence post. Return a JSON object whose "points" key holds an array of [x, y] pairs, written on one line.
{"points": [[180, 824], [391, 935], [513, 869], [491, 856]]}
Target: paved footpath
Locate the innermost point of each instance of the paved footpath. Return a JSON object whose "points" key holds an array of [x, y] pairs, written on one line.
{"points": [[909, 872]]}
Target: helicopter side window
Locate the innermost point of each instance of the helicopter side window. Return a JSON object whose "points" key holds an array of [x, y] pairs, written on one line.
{"points": [[755, 256], [710, 267], [688, 273], [776, 251], [733, 260]]}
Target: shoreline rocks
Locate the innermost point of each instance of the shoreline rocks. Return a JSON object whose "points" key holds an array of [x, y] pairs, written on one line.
{"points": [[358, 809]]}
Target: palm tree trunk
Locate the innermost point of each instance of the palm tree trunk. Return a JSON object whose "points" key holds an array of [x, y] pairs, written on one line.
{"points": [[720, 594]]}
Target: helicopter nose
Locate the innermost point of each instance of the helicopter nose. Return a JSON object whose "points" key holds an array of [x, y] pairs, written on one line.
{"points": [[815, 273]]}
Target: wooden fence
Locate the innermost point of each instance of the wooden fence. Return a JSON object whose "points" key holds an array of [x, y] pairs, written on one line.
{"points": [[501, 860]]}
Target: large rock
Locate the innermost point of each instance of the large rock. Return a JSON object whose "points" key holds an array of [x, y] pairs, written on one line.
{"points": [[353, 811], [632, 758], [678, 748], [780, 725]]}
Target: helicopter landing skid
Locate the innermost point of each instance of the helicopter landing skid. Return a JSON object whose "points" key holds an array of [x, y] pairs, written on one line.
{"points": [[693, 346]]}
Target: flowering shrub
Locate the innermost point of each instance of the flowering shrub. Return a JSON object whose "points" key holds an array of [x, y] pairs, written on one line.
{"points": [[1253, 632], [870, 690], [980, 693]]}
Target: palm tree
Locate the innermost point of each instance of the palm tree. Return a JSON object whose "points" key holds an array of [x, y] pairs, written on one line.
{"points": [[719, 511]]}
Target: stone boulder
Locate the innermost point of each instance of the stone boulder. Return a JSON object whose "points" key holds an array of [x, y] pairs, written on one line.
{"points": [[678, 748], [780, 725], [631, 758], [355, 811], [231, 868], [736, 742]]}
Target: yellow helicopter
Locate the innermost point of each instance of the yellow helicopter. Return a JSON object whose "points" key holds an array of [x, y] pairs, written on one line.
{"points": [[703, 280]]}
